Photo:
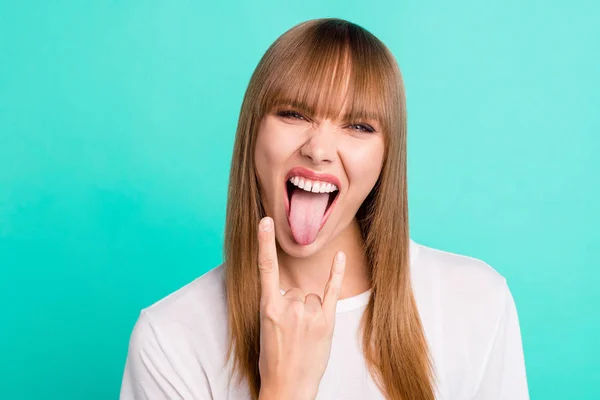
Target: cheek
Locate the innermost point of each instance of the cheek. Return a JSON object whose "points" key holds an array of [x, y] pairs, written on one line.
{"points": [[364, 165], [272, 151], [274, 147]]}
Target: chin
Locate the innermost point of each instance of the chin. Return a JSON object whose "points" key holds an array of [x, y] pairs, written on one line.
{"points": [[296, 250]]}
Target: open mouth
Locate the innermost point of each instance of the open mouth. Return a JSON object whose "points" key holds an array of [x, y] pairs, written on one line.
{"points": [[308, 212], [310, 198], [290, 187]]}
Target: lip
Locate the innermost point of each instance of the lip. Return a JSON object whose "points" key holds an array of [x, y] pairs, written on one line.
{"points": [[306, 173], [313, 176]]}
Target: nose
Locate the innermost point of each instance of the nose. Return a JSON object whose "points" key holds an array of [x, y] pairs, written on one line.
{"points": [[321, 145]]}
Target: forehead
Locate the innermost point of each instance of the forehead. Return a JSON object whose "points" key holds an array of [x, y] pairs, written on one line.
{"points": [[336, 86]]}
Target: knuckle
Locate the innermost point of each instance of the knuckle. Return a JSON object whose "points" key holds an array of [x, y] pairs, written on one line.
{"points": [[266, 264], [318, 324], [269, 312], [297, 308], [294, 293], [313, 297], [325, 330], [333, 290]]}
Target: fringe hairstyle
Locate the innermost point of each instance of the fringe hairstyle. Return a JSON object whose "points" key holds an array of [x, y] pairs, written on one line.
{"points": [[298, 67]]}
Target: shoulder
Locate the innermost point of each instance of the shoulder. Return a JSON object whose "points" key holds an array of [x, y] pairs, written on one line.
{"points": [[177, 340], [470, 319], [459, 290], [195, 312], [458, 275], [204, 294]]}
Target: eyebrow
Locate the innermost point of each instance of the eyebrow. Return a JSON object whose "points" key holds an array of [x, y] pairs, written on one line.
{"points": [[294, 104], [310, 110]]}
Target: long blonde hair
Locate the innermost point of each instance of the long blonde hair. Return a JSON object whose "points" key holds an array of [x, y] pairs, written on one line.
{"points": [[299, 67]]}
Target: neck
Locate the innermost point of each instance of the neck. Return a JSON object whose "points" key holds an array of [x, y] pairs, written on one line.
{"points": [[310, 274]]}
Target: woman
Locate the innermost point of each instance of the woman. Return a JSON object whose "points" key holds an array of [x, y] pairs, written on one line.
{"points": [[322, 294]]}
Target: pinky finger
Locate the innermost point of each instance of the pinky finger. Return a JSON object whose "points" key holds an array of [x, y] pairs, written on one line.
{"points": [[332, 290]]}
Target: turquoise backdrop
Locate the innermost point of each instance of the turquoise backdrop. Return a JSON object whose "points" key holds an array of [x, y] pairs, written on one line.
{"points": [[117, 121]]}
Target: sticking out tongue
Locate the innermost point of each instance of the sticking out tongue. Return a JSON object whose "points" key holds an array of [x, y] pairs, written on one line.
{"points": [[306, 213]]}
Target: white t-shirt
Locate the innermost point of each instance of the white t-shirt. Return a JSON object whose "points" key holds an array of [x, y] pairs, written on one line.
{"points": [[178, 345]]}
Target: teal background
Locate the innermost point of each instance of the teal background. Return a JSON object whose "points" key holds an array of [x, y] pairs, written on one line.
{"points": [[117, 121]]}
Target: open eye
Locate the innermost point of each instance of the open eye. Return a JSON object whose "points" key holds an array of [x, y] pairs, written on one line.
{"points": [[363, 128], [292, 114]]}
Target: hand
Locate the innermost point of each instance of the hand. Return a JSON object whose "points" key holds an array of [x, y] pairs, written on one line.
{"points": [[295, 329]]}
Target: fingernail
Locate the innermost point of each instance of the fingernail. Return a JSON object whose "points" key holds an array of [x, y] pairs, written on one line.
{"points": [[340, 257], [266, 224]]}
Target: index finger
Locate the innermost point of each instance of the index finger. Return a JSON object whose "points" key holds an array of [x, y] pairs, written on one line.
{"points": [[267, 260]]}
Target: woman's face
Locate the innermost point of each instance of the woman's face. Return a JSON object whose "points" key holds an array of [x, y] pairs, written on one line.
{"points": [[291, 143]]}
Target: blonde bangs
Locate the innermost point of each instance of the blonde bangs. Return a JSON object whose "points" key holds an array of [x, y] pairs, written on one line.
{"points": [[326, 71]]}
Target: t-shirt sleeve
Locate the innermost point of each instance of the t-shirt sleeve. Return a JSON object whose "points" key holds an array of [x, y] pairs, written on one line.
{"points": [[150, 370], [504, 376]]}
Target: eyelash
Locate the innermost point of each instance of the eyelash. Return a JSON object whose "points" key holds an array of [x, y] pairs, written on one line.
{"points": [[297, 115]]}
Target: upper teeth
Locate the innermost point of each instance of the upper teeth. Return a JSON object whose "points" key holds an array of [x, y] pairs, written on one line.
{"points": [[313, 186]]}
